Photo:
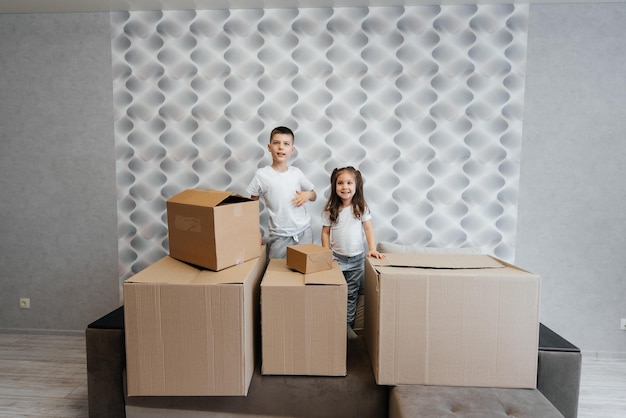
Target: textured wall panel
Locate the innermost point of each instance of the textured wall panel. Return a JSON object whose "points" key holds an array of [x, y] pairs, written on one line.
{"points": [[426, 101]]}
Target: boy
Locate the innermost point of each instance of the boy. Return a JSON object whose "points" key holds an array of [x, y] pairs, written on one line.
{"points": [[285, 190]]}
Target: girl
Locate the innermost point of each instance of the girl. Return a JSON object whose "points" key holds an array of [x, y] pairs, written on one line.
{"points": [[344, 219]]}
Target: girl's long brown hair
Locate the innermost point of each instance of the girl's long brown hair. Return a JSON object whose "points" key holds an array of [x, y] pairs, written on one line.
{"points": [[359, 206]]}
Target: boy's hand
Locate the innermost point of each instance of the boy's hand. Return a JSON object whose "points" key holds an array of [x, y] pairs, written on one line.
{"points": [[301, 198]]}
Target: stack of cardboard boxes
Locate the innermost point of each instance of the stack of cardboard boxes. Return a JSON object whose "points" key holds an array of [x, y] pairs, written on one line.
{"points": [[192, 318]]}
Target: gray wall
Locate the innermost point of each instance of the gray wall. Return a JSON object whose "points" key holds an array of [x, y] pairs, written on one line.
{"points": [[58, 225], [59, 236], [571, 218]]}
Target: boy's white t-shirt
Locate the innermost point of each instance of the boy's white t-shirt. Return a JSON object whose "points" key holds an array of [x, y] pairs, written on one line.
{"points": [[278, 190], [346, 235]]}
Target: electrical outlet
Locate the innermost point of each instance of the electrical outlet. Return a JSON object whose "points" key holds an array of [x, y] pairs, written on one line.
{"points": [[25, 303], [622, 324]]}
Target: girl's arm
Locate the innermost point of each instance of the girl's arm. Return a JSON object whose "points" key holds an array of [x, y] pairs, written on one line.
{"points": [[326, 236], [371, 241]]}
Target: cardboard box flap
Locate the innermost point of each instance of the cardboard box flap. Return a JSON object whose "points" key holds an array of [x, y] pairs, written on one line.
{"points": [[281, 275], [232, 275], [166, 270], [198, 197], [324, 278], [438, 261]]}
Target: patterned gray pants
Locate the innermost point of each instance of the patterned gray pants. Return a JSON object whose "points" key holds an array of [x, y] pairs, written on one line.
{"points": [[353, 269]]}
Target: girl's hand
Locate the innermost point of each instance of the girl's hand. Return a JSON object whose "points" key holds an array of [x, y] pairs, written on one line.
{"points": [[376, 254]]}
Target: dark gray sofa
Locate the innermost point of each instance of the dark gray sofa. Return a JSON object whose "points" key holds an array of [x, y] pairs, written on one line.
{"points": [[558, 379], [558, 371]]}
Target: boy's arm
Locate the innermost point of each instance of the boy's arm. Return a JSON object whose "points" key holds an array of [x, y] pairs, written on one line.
{"points": [[371, 241], [303, 197]]}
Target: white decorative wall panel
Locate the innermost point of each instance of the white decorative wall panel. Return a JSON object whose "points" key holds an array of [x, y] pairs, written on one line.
{"points": [[426, 101]]}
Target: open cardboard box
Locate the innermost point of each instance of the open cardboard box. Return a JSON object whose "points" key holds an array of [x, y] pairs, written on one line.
{"points": [[454, 320], [213, 229]]}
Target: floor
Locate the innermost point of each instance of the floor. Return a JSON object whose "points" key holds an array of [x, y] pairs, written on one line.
{"points": [[43, 376], [46, 376], [602, 389]]}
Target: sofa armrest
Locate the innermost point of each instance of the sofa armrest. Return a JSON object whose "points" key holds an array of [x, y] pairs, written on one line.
{"points": [[106, 360], [558, 371]]}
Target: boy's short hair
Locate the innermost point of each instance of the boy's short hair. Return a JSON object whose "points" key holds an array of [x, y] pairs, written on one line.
{"points": [[282, 130]]}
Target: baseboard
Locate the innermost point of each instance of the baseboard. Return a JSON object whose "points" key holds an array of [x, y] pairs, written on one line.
{"points": [[35, 331], [603, 355]]}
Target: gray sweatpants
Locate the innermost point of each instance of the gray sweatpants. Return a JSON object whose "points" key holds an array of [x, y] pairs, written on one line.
{"points": [[277, 245], [353, 269]]}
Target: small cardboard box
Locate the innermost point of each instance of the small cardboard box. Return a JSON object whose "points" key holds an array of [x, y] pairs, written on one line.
{"points": [[213, 229], [309, 258], [303, 319], [453, 320], [192, 332]]}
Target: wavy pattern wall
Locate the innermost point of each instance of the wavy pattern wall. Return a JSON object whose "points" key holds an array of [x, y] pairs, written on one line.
{"points": [[426, 101]]}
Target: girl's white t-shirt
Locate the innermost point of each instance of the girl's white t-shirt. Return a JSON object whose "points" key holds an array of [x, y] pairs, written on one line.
{"points": [[346, 235], [278, 190]]}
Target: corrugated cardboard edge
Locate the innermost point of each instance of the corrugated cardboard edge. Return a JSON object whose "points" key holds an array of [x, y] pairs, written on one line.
{"points": [[252, 319], [372, 307], [439, 261]]}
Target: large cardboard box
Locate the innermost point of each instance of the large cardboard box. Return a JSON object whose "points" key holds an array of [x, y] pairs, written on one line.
{"points": [[213, 229], [303, 319], [309, 258], [454, 320], [192, 332]]}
